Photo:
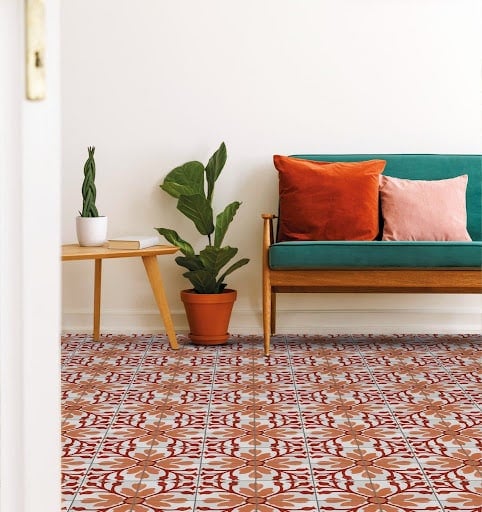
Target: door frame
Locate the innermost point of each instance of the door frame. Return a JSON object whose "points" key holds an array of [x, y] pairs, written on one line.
{"points": [[30, 156]]}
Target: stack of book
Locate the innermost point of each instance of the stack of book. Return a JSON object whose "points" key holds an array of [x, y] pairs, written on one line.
{"points": [[133, 242]]}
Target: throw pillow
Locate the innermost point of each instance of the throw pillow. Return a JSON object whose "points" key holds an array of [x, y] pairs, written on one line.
{"points": [[328, 200], [424, 210]]}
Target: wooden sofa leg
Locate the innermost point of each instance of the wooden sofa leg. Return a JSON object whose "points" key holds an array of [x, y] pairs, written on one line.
{"points": [[267, 319], [273, 313]]}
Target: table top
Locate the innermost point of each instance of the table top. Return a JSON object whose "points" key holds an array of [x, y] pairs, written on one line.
{"points": [[76, 252]]}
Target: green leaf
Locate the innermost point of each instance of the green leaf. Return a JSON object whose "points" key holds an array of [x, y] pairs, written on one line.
{"points": [[188, 179], [198, 209], [232, 268], [190, 262], [202, 281], [214, 168], [222, 222], [214, 258], [173, 238]]}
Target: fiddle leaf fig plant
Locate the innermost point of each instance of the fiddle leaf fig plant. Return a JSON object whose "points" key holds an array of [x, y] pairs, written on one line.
{"points": [[89, 191], [192, 184]]}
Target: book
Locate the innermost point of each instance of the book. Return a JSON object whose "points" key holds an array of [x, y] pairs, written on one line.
{"points": [[133, 242]]}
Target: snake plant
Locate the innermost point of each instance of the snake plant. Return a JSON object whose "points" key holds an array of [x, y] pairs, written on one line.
{"points": [[88, 187]]}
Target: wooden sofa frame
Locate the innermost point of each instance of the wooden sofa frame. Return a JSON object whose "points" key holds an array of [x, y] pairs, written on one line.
{"points": [[355, 280]]}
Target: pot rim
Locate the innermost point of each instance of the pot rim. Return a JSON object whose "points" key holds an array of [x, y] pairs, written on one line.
{"points": [[191, 291], [192, 297], [98, 217]]}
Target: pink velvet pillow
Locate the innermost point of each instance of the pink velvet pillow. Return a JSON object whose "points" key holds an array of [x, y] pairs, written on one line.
{"points": [[424, 210]]}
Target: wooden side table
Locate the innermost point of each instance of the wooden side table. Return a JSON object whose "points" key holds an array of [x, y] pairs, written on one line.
{"points": [[73, 252]]}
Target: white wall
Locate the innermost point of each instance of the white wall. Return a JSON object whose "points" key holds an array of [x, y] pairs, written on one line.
{"points": [[153, 84]]}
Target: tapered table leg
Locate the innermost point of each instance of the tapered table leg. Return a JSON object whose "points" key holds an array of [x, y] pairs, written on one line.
{"points": [[97, 291], [155, 279]]}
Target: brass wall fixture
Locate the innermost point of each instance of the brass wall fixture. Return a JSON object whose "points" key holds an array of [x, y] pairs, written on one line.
{"points": [[35, 49]]}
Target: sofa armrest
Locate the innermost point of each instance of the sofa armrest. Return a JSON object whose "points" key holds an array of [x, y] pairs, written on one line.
{"points": [[268, 231], [269, 298]]}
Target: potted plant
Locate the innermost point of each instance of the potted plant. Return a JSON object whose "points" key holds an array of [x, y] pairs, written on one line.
{"points": [[208, 303], [91, 227]]}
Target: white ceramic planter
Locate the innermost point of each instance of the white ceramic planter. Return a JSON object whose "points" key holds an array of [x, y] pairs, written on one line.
{"points": [[91, 231]]}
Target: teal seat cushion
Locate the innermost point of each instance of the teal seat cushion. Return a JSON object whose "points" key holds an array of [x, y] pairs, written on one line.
{"points": [[311, 255]]}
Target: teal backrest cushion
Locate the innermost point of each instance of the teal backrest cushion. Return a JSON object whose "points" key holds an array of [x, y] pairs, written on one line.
{"points": [[429, 167]]}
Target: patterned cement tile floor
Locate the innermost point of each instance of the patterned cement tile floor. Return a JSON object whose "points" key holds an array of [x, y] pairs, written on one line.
{"points": [[344, 423]]}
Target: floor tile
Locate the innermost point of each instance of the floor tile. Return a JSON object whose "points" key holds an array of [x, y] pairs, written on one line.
{"points": [[356, 423]]}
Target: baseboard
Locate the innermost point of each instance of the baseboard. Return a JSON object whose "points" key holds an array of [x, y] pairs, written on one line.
{"points": [[346, 321]]}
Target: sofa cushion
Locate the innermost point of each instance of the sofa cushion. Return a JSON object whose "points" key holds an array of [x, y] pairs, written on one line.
{"points": [[428, 167], [424, 209], [336, 254], [328, 201]]}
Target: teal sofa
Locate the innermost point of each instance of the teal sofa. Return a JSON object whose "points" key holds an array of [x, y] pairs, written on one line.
{"points": [[379, 266]]}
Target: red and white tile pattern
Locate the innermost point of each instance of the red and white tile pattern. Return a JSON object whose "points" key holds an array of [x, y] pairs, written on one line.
{"points": [[326, 423]]}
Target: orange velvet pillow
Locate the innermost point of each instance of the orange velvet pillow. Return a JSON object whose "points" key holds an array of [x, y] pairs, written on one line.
{"points": [[328, 200]]}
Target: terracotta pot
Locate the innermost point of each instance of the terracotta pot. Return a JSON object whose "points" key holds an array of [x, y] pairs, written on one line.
{"points": [[208, 315]]}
